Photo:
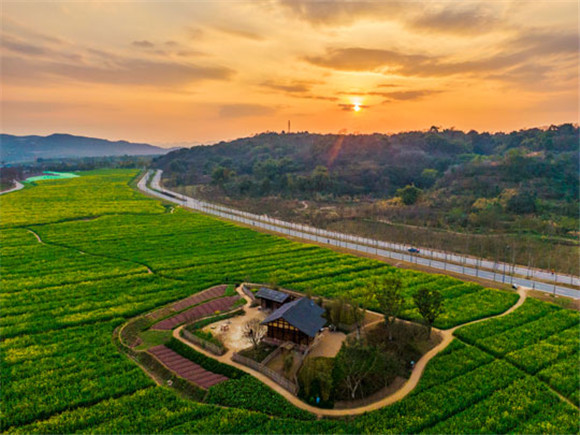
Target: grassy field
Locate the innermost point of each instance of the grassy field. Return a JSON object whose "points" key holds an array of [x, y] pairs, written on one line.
{"points": [[62, 298]]}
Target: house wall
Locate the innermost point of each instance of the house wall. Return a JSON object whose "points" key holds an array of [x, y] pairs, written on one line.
{"points": [[283, 331]]}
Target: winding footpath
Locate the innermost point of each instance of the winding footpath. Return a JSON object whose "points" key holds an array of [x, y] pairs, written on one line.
{"points": [[412, 382], [17, 186]]}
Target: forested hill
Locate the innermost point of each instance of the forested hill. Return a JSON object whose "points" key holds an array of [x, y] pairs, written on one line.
{"points": [[463, 176], [23, 149]]}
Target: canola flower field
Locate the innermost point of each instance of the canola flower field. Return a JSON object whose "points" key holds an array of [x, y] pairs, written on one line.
{"points": [[80, 256]]}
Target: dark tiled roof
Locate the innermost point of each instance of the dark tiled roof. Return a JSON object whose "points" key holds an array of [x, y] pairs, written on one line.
{"points": [[302, 313], [272, 295]]}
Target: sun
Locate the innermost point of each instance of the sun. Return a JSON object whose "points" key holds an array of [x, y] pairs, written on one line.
{"points": [[356, 108]]}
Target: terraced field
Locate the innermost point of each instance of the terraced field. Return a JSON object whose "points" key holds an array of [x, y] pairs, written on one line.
{"points": [[63, 298]]}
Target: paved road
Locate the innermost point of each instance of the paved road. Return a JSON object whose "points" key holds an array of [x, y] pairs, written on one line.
{"points": [[469, 266], [17, 186]]}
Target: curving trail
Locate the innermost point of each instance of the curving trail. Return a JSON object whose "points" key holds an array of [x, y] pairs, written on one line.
{"points": [[407, 387], [83, 252], [36, 235], [17, 186]]}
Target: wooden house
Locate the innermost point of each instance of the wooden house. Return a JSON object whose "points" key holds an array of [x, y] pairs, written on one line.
{"points": [[272, 299], [298, 321]]}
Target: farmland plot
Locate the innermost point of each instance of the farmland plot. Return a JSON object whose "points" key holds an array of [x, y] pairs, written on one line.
{"points": [[61, 372]]}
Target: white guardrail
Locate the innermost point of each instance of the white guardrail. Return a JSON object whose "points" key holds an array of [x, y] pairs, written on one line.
{"points": [[445, 261]]}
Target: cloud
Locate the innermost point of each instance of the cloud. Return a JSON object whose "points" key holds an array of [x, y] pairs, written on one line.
{"points": [[406, 95], [297, 89], [194, 33], [365, 59], [475, 19], [20, 47], [245, 110], [341, 12], [531, 49], [143, 44], [295, 86], [120, 71], [10, 25], [318, 97], [350, 107], [541, 42], [241, 33]]}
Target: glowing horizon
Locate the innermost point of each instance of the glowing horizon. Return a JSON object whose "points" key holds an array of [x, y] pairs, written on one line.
{"points": [[210, 71]]}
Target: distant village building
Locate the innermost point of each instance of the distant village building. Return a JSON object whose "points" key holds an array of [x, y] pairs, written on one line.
{"points": [[272, 299], [298, 321]]}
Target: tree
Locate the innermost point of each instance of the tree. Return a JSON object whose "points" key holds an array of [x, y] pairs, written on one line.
{"points": [[253, 331], [430, 306], [221, 175], [335, 311], [389, 294], [320, 178], [357, 363], [522, 203], [357, 313], [409, 194]]}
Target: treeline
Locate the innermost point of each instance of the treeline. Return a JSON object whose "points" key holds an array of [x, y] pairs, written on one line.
{"points": [[20, 171], [445, 178]]}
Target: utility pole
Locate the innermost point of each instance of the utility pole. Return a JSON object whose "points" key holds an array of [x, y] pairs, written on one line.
{"points": [[288, 126]]}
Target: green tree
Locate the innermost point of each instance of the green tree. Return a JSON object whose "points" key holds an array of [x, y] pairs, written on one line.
{"points": [[221, 175], [522, 203], [320, 178], [428, 177], [389, 294], [358, 364], [430, 305], [409, 194]]}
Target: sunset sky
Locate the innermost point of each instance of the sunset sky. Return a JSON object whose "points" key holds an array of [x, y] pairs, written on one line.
{"points": [[202, 71]]}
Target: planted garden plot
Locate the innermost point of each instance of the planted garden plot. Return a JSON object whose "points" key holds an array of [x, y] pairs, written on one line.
{"points": [[197, 312], [186, 368], [211, 293]]}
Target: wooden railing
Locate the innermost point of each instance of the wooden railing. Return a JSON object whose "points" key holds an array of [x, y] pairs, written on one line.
{"points": [[208, 345], [259, 367]]}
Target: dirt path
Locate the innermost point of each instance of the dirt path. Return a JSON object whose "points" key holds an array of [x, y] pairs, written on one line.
{"points": [[37, 237], [83, 252], [406, 388]]}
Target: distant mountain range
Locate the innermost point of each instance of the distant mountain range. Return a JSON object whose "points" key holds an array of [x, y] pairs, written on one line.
{"points": [[22, 149]]}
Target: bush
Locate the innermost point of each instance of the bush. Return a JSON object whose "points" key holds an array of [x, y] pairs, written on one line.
{"points": [[249, 393]]}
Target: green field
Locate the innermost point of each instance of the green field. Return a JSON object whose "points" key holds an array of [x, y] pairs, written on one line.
{"points": [[62, 299]]}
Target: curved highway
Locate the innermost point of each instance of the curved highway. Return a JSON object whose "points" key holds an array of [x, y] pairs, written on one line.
{"points": [[469, 266]]}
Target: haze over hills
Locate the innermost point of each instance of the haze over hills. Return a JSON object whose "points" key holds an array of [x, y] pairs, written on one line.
{"points": [[22, 149]]}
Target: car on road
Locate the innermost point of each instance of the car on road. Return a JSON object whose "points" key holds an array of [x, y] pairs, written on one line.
{"points": [[413, 250]]}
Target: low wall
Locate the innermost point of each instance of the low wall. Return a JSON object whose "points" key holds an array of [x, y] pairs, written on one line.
{"points": [[213, 348], [276, 377]]}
